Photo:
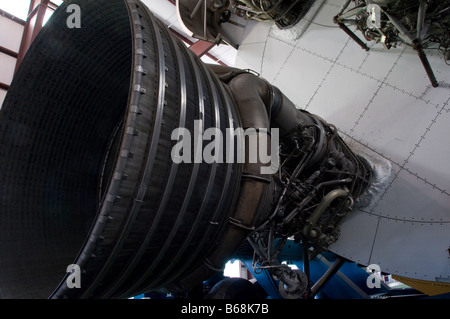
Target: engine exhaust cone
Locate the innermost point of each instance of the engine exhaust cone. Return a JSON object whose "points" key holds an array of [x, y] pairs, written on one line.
{"points": [[86, 175]]}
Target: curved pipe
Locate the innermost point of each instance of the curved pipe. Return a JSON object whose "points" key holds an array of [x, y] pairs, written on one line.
{"points": [[324, 204], [249, 88]]}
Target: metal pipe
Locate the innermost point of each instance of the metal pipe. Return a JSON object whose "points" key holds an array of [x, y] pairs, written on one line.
{"points": [[426, 64], [351, 13], [404, 34], [197, 6], [334, 268], [326, 201], [306, 267], [351, 34], [311, 195], [347, 3], [421, 19]]}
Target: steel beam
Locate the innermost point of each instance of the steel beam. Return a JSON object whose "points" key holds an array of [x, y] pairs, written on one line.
{"points": [[9, 52], [334, 268], [33, 25], [201, 47], [4, 86]]}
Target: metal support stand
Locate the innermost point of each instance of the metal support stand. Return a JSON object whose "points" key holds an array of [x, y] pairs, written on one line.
{"points": [[334, 268], [403, 32], [425, 63], [350, 33], [306, 269]]}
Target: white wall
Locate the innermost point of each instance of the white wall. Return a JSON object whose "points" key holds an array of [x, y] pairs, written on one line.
{"points": [[10, 34], [8, 64], [10, 38]]}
